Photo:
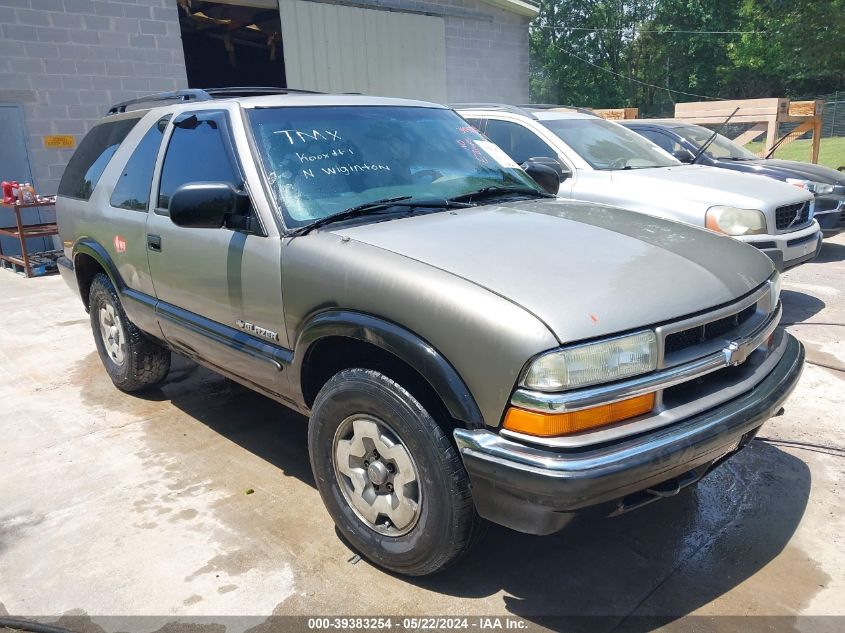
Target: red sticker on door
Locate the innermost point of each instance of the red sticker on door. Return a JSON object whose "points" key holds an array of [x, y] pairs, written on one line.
{"points": [[119, 244]]}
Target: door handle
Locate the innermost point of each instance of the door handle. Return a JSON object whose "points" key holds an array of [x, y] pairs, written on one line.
{"points": [[154, 243]]}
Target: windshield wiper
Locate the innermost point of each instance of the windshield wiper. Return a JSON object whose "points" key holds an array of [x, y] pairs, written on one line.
{"points": [[375, 207], [486, 192], [712, 138]]}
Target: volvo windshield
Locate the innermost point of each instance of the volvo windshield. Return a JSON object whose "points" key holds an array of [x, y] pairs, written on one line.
{"points": [[721, 147], [321, 161], [605, 145]]}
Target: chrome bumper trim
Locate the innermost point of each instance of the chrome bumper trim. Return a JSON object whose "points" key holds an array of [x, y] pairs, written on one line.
{"points": [[564, 402], [739, 412]]}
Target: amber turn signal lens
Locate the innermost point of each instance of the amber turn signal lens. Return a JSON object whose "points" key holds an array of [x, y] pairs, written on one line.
{"points": [[553, 424]]}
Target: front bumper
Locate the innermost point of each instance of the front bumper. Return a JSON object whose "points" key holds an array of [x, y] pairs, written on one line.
{"points": [[789, 249], [830, 213], [538, 491]]}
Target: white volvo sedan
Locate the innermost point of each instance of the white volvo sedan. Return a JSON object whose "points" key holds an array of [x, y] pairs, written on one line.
{"points": [[601, 161]]}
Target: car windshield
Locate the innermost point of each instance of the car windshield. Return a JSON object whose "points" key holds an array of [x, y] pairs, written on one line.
{"points": [[721, 147], [605, 145], [323, 160]]}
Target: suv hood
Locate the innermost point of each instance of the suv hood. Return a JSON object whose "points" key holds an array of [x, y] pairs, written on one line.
{"points": [[795, 169], [710, 186], [584, 269]]}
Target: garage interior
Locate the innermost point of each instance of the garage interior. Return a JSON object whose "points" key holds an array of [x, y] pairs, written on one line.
{"points": [[232, 44], [319, 46]]}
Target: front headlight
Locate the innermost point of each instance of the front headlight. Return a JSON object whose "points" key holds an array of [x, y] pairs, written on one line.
{"points": [[735, 221], [818, 188], [774, 285], [593, 363]]}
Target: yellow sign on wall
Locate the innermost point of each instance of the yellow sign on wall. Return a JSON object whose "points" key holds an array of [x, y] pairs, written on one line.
{"points": [[59, 141]]}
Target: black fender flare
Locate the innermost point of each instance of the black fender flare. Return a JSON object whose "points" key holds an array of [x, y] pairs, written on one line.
{"points": [[139, 307], [398, 341], [95, 250]]}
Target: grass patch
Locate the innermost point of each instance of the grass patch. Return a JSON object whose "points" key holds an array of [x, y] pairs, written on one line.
{"points": [[831, 151]]}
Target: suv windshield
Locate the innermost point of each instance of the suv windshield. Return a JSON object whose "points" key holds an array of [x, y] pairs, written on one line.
{"points": [[323, 160], [605, 145], [721, 147]]}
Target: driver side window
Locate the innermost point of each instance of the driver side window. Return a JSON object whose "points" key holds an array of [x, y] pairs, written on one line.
{"points": [[518, 142], [662, 140], [197, 152]]}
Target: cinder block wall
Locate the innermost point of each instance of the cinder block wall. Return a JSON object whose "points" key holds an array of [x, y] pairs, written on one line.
{"points": [[486, 54], [65, 61]]}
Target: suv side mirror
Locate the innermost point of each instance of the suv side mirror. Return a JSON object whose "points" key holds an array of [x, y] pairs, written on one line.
{"points": [[683, 155], [206, 205], [541, 170]]}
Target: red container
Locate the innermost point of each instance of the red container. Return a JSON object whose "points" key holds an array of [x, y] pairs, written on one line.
{"points": [[9, 189]]}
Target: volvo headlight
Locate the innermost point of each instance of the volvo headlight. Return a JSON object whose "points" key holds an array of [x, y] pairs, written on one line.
{"points": [[593, 363], [818, 188], [735, 221]]}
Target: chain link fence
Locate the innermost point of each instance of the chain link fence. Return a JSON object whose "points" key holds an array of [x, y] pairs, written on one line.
{"points": [[833, 118]]}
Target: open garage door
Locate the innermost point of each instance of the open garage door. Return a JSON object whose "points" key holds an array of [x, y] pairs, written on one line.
{"points": [[334, 48], [232, 43]]}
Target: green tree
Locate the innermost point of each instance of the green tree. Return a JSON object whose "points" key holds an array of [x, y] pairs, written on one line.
{"points": [[570, 35], [798, 50], [651, 53], [684, 49]]}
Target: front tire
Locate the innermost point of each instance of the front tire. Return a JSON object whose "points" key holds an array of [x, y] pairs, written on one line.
{"points": [[132, 360], [392, 481]]}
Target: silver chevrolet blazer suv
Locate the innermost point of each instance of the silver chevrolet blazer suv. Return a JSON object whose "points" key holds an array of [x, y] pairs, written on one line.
{"points": [[467, 347]]}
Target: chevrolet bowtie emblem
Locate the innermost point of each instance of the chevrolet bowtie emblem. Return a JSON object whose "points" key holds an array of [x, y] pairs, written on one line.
{"points": [[735, 354]]}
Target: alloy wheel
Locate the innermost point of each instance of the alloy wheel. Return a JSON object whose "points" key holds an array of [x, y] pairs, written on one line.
{"points": [[377, 475]]}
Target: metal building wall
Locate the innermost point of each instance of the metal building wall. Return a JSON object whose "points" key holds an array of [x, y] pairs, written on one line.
{"points": [[334, 48]]}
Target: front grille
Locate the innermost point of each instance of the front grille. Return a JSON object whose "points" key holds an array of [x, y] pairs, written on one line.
{"points": [[684, 339], [785, 216]]}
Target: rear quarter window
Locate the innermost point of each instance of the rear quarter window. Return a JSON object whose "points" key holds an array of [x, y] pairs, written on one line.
{"points": [[132, 190], [87, 164]]}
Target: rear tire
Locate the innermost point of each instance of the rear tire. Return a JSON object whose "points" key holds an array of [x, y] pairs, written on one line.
{"points": [[424, 523], [132, 360]]}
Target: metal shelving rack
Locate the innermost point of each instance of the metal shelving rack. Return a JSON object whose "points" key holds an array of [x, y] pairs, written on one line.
{"points": [[23, 232]]}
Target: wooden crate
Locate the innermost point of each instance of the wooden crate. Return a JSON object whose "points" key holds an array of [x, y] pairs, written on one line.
{"points": [[717, 111], [806, 108], [618, 114], [765, 115]]}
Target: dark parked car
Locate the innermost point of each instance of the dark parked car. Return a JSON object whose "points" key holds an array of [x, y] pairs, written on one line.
{"points": [[684, 140]]}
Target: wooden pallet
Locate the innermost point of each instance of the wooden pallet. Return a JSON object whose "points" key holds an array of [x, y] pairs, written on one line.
{"points": [[41, 264]]}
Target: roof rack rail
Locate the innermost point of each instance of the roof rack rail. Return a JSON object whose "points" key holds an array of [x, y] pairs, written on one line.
{"points": [[503, 107], [254, 91], [207, 94], [554, 106], [177, 95]]}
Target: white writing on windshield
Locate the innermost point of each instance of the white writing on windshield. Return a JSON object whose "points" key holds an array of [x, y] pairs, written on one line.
{"points": [[305, 137]]}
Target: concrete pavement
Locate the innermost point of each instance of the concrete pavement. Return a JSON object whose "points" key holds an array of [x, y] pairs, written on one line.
{"points": [[112, 504]]}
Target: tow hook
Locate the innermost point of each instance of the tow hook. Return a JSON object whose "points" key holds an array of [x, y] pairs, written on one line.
{"points": [[663, 490]]}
